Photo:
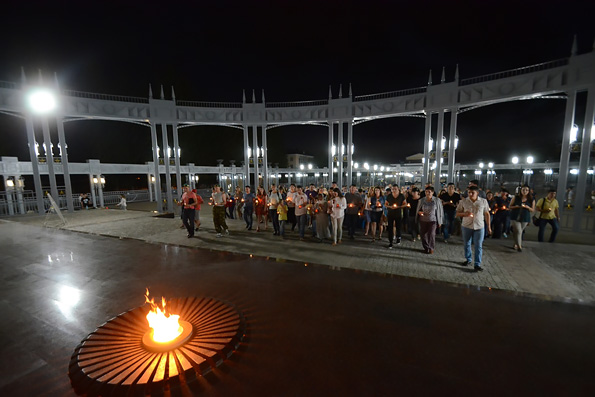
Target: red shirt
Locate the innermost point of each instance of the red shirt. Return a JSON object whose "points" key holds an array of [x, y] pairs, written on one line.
{"points": [[187, 198]]}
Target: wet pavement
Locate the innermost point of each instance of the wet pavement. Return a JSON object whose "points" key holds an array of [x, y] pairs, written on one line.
{"points": [[358, 320]]}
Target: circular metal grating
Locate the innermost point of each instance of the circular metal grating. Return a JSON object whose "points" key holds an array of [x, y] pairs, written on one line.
{"points": [[113, 359]]}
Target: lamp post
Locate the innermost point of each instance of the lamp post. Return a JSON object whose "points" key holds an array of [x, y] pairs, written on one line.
{"points": [[98, 185]]}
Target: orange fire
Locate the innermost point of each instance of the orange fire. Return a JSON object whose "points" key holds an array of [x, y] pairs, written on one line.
{"points": [[165, 326]]}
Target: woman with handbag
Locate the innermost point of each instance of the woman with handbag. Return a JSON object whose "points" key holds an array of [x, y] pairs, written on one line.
{"points": [[521, 206]]}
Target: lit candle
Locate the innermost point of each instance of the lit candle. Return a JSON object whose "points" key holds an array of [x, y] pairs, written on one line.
{"points": [[504, 207], [408, 205], [242, 200], [394, 206], [350, 205]]}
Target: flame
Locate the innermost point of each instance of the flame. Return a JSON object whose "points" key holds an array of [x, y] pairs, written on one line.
{"points": [[165, 326]]}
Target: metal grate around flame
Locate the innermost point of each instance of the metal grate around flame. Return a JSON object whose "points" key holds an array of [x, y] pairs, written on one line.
{"points": [[113, 359]]}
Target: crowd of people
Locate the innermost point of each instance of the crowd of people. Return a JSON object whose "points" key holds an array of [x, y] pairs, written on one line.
{"points": [[325, 212]]}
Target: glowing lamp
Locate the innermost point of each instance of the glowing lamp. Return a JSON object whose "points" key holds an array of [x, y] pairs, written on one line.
{"points": [[42, 101]]}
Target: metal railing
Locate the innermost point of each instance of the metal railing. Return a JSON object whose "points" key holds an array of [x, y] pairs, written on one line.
{"points": [[105, 97], [321, 102], [515, 72], [8, 84], [391, 94], [200, 104]]}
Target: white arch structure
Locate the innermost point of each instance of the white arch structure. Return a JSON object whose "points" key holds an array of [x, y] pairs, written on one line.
{"points": [[566, 76]]}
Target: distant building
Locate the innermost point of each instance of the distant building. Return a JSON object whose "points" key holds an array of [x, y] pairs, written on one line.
{"points": [[296, 159]]}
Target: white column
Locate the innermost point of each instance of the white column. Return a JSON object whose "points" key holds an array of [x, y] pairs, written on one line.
{"points": [[439, 149], [330, 149], [157, 183], [265, 158], [350, 152], [93, 193], [34, 163], [50, 158], [581, 186], [65, 167], [150, 186], [340, 153], [170, 198], [246, 159], [451, 145], [426, 164], [255, 156], [179, 182], [565, 151]]}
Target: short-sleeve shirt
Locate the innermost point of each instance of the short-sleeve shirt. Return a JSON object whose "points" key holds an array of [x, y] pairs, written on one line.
{"points": [[553, 205], [392, 200], [478, 208], [447, 199]]}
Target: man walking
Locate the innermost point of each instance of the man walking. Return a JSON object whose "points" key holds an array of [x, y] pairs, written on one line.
{"points": [[549, 213], [395, 201], [188, 203], [354, 205], [475, 214], [450, 200]]}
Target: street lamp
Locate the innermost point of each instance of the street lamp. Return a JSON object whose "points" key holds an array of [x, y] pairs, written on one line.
{"points": [[530, 159], [41, 100], [515, 160]]}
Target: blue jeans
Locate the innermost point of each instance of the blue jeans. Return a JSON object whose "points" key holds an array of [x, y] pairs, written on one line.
{"points": [[301, 221], [555, 227], [248, 216], [475, 236], [449, 224]]}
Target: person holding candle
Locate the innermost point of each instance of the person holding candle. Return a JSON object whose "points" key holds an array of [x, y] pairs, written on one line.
{"points": [[521, 208], [337, 206], [248, 200], [219, 199], [475, 214], [260, 205], [188, 202], [549, 209], [321, 216], [282, 213], [274, 200], [239, 202], [301, 201], [501, 223], [290, 199], [413, 225], [450, 199], [375, 206], [354, 204], [430, 215], [395, 201]]}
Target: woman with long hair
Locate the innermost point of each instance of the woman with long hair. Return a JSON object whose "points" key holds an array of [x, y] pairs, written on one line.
{"points": [[260, 204], [337, 206], [522, 206], [367, 211], [321, 216], [375, 206]]}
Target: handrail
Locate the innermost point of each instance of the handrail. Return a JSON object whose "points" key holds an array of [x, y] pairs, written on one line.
{"points": [[391, 94], [92, 95], [320, 102], [515, 72], [8, 84], [201, 104]]}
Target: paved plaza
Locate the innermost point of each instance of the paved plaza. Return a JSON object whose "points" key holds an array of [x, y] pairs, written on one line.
{"points": [[356, 319]]}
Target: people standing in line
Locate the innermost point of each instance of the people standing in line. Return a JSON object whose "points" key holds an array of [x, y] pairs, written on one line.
{"points": [[521, 206], [450, 200], [375, 206], [282, 214], [248, 200], [122, 203], [291, 218], [413, 224], [549, 210], [274, 199], [492, 206], [337, 206], [501, 224], [230, 206], [474, 182], [430, 215], [219, 200], [260, 205], [475, 214], [301, 201], [321, 215], [354, 205], [188, 202], [395, 202], [197, 207], [239, 203]]}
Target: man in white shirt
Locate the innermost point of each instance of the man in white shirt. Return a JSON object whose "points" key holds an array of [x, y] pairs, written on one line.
{"points": [[475, 215], [301, 201]]}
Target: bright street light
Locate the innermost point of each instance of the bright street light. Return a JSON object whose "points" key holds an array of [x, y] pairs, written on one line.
{"points": [[515, 160], [490, 165], [530, 159], [42, 101], [480, 165], [366, 166], [355, 165]]}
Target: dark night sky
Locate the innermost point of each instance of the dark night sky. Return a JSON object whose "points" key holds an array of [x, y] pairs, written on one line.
{"points": [[210, 51]]}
